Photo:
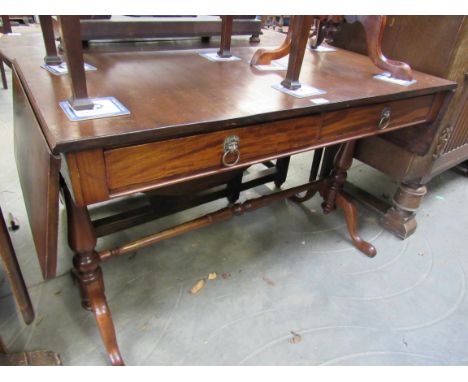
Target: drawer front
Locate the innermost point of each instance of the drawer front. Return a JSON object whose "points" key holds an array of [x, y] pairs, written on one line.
{"points": [[343, 123], [178, 158], [166, 162]]}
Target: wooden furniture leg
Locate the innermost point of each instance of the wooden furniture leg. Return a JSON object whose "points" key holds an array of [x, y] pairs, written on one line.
{"points": [[374, 27], [71, 40], [400, 219], [2, 347], [88, 273], [265, 56], [282, 165], [234, 187], [350, 210], [334, 196], [6, 28], [300, 36], [317, 36], [13, 272], [51, 58], [226, 33]]}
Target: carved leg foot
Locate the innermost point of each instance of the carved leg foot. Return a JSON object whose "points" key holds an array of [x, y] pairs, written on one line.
{"points": [[91, 285], [350, 211], [226, 33], [88, 274], [333, 196], [401, 218]]}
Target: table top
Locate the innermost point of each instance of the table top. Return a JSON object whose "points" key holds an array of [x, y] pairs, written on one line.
{"points": [[172, 91]]}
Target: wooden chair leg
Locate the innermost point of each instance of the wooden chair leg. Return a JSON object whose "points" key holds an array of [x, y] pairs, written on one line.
{"points": [[299, 38], [6, 28], [265, 56], [226, 33], [374, 27], [73, 50], [88, 274], [47, 27]]}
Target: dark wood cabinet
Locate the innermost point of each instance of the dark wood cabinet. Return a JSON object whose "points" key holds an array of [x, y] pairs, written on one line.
{"points": [[437, 45]]}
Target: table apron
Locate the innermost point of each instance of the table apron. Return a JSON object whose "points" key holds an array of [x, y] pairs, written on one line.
{"points": [[100, 174]]}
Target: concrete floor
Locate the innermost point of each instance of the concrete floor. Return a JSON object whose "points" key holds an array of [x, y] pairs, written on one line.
{"points": [[298, 293]]}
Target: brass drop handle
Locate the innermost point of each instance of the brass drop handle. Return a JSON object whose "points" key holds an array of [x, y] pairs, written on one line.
{"points": [[231, 154], [385, 118]]}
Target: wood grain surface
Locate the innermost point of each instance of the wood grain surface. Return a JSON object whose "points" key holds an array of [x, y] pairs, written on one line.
{"points": [[177, 159], [178, 93]]}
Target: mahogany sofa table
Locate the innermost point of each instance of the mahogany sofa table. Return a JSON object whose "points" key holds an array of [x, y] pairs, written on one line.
{"points": [[190, 118]]}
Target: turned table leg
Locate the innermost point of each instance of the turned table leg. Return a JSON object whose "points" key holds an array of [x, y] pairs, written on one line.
{"points": [[350, 210], [88, 274], [334, 196]]}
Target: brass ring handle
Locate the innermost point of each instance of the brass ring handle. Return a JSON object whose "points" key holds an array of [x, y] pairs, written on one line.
{"points": [[231, 147], [226, 153], [385, 118]]}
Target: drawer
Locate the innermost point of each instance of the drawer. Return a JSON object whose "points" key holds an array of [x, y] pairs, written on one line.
{"points": [[161, 162], [367, 119], [176, 160]]}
